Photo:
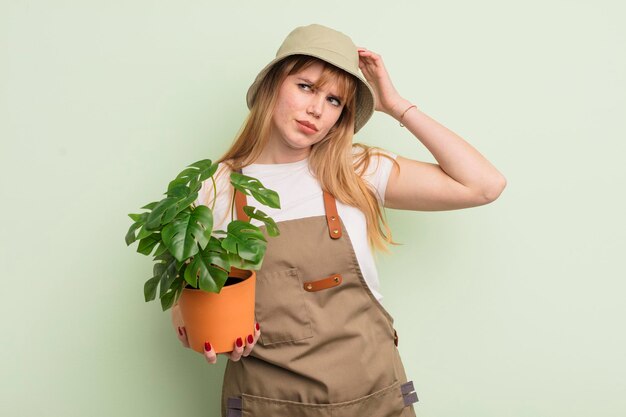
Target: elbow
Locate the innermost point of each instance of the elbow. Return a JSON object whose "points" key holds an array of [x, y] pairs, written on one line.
{"points": [[492, 192]]}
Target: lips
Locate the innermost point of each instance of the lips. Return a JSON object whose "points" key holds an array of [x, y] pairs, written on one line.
{"points": [[307, 124]]}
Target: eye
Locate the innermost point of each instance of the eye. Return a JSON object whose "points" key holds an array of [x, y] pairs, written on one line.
{"points": [[337, 101], [304, 86]]}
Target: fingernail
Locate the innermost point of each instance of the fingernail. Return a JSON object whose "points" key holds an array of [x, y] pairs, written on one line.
{"points": [[207, 346], [250, 339], [239, 342], [258, 327], [180, 332]]}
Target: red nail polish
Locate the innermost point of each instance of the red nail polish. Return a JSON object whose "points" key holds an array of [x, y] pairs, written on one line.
{"points": [[239, 342], [250, 339], [207, 346], [180, 332], [258, 327]]}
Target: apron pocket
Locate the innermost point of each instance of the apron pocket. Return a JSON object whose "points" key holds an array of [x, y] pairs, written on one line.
{"points": [[387, 402], [281, 308]]}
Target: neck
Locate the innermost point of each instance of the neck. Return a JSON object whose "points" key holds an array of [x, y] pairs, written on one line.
{"points": [[271, 155]]}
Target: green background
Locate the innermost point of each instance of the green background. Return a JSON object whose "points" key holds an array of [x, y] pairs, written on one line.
{"points": [[515, 308]]}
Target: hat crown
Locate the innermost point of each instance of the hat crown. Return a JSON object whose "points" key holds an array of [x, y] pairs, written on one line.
{"points": [[314, 37]]}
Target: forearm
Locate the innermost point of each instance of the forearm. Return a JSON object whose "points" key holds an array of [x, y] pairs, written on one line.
{"points": [[454, 155]]}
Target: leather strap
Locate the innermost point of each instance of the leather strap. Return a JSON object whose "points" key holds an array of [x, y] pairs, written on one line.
{"points": [[234, 402], [324, 283], [234, 406], [410, 399], [407, 388], [240, 201], [408, 395], [332, 217], [234, 413], [330, 206]]}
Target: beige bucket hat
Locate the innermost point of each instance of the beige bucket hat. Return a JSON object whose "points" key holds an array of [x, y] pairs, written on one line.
{"points": [[333, 47]]}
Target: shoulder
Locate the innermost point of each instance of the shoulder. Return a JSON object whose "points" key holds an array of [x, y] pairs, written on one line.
{"points": [[371, 160], [374, 165]]}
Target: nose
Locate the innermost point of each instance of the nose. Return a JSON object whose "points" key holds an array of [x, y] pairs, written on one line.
{"points": [[316, 105]]}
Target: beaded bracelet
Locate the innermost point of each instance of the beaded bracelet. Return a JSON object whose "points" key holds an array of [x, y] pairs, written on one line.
{"points": [[401, 117]]}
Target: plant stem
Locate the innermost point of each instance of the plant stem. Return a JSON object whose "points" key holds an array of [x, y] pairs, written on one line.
{"points": [[232, 206], [214, 194]]}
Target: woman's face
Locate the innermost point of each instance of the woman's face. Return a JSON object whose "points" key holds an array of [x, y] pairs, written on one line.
{"points": [[303, 115]]}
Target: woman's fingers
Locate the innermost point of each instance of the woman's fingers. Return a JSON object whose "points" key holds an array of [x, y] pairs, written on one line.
{"points": [[209, 353], [241, 346], [235, 355], [249, 343], [251, 340], [182, 336]]}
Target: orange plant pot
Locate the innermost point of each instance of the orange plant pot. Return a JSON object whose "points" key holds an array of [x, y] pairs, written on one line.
{"points": [[220, 318]]}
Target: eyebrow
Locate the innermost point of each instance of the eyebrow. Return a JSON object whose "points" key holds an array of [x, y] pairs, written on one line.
{"points": [[311, 82]]}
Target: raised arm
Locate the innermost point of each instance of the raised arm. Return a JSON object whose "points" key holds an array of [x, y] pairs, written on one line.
{"points": [[462, 178]]}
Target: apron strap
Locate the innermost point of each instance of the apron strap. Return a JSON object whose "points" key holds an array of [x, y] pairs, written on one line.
{"points": [[332, 216], [240, 201], [330, 206]]}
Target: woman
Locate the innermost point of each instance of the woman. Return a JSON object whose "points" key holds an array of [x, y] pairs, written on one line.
{"points": [[328, 346]]}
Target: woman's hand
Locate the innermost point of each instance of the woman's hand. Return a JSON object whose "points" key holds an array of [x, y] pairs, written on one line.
{"points": [[241, 347], [373, 68]]}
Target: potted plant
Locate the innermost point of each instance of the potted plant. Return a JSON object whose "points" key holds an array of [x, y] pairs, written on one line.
{"points": [[204, 270]]}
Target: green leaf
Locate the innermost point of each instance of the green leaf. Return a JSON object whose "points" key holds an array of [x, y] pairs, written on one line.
{"points": [[195, 187], [150, 206], [188, 174], [171, 212], [160, 249], [236, 261], [186, 202], [178, 285], [148, 243], [154, 219], [150, 288], [175, 184], [202, 164], [205, 168], [168, 300], [167, 273], [130, 235], [138, 217], [179, 191], [207, 172], [144, 232], [184, 198], [270, 224], [188, 230], [252, 186], [209, 268], [246, 240]]}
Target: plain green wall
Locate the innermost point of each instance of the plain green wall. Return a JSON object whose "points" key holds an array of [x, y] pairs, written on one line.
{"points": [[511, 309]]}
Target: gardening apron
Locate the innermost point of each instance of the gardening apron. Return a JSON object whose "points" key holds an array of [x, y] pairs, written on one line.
{"points": [[327, 346]]}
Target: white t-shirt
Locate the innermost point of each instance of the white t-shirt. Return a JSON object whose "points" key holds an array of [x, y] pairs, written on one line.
{"points": [[301, 196]]}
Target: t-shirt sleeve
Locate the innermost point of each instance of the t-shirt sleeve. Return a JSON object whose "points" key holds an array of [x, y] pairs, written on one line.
{"points": [[378, 171]]}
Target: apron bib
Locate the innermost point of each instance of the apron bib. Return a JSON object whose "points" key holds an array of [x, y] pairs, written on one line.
{"points": [[327, 346]]}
